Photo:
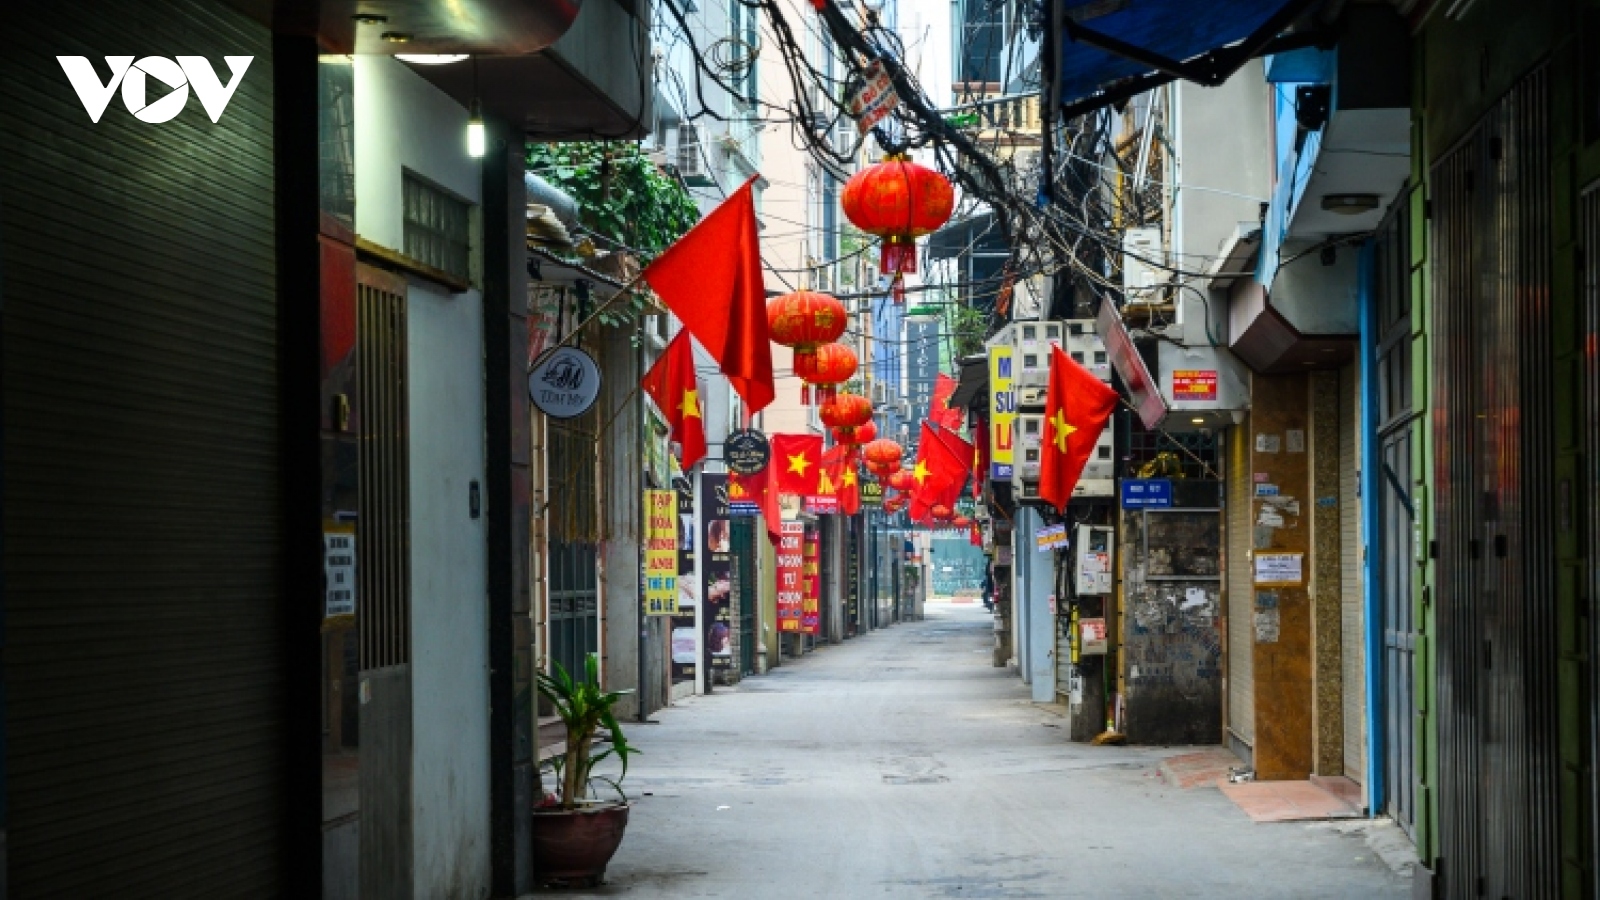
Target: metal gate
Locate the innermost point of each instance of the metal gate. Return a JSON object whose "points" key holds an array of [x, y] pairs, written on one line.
{"points": [[574, 611], [747, 589], [1397, 422], [1493, 456]]}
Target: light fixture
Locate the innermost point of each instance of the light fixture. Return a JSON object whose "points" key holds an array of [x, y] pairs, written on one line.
{"points": [[475, 137], [1198, 420], [431, 59], [1349, 204], [397, 37], [369, 19]]}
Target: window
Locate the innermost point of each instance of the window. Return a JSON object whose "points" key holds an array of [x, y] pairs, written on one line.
{"points": [[438, 228]]}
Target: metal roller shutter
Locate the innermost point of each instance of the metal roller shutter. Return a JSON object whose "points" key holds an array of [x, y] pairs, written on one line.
{"points": [[143, 551], [1241, 598], [1351, 582]]}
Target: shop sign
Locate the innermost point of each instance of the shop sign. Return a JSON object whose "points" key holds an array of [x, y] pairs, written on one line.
{"points": [[871, 492], [661, 553], [747, 452], [875, 99], [1194, 384], [1002, 414], [791, 576], [339, 569], [1050, 537], [811, 606], [1146, 493], [685, 637], [564, 383], [716, 566]]}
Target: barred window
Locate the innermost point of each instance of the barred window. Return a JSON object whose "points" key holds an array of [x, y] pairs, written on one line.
{"points": [[438, 228]]}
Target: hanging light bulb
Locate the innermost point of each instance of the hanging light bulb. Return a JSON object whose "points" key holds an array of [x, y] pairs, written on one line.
{"points": [[475, 137]]}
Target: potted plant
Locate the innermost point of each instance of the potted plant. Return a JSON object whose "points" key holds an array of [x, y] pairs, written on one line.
{"points": [[577, 829]]}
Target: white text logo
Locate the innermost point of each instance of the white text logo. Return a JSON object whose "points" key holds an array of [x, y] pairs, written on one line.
{"points": [[179, 76]]}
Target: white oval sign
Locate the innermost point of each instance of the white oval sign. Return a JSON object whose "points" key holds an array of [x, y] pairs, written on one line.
{"points": [[564, 383]]}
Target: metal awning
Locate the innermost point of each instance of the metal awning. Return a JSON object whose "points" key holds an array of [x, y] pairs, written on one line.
{"points": [[1113, 49], [973, 383]]}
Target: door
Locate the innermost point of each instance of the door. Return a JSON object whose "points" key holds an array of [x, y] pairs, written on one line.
{"points": [[574, 594], [1394, 531], [748, 590]]}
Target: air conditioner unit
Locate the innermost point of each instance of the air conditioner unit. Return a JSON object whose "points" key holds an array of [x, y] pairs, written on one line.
{"points": [[903, 409], [1140, 280], [880, 394], [691, 157], [1024, 491]]}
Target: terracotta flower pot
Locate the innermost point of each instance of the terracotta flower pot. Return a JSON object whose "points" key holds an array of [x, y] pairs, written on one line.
{"points": [[572, 847]]}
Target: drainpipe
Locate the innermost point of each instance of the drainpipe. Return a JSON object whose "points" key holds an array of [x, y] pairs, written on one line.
{"points": [[1372, 603]]}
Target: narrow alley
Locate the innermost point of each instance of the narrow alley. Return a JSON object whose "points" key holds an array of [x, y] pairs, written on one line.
{"points": [[903, 765]]}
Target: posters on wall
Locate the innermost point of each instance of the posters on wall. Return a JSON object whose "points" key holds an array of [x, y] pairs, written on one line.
{"points": [[661, 553], [685, 638], [791, 577], [339, 567], [811, 606], [716, 568]]}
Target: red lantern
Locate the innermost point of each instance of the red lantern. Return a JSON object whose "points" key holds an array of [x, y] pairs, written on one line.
{"points": [[899, 201], [883, 452], [961, 521], [902, 480], [805, 320], [846, 410], [857, 435], [826, 367], [940, 512]]}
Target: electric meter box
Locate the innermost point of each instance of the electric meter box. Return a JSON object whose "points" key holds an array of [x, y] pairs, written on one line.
{"points": [[1093, 557], [1029, 441]]}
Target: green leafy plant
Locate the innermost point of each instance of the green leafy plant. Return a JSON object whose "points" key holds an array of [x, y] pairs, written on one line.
{"points": [[585, 708], [623, 197]]}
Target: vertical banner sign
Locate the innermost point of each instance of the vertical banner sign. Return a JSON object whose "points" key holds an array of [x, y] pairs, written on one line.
{"points": [[852, 538], [339, 567], [922, 366], [685, 638], [661, 553], [791, 578], [716, 565], [811, 607], [1002, 414]]}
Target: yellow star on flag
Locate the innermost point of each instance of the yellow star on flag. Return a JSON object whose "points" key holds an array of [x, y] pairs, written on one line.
{"points": [[920, 473], [849, 478], [798, 463], [691, 404], [1062, 429]]}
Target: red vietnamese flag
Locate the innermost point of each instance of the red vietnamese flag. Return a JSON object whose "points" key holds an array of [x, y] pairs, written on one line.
{"points": [[940, 410], [980, 457], [711, 280], [755, 489], [672, 385], [1076, 410], [797, 462], [839, 465], [943, 461]]}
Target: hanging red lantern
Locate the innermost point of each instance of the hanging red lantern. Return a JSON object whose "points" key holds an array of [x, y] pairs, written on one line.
{"points": [[940, 512], [961, 521], [854, 436], [883, 471], [883, 452], [825, 368], [846, 410], [805, 320], [902, 480], [899, 201]]}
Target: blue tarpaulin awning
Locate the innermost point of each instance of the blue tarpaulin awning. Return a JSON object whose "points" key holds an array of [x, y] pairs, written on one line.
{"points": [[1111, 49]]}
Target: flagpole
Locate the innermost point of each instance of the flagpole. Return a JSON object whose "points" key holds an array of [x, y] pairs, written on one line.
{"points": [[627, 288]]}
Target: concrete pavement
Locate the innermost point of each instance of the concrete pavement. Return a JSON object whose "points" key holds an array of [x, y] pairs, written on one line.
{"points": [[901, 764]]}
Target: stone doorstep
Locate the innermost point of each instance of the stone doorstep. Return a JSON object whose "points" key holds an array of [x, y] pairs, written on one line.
{"points": [[1205, 768], [1345, 788], [1288, 801]]}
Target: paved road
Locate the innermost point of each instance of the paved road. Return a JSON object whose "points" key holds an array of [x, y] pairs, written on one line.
{"points": [[901, 764]]}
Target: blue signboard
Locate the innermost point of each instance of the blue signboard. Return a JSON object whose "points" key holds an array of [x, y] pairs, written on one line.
{"points": [[1146, 493]]}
